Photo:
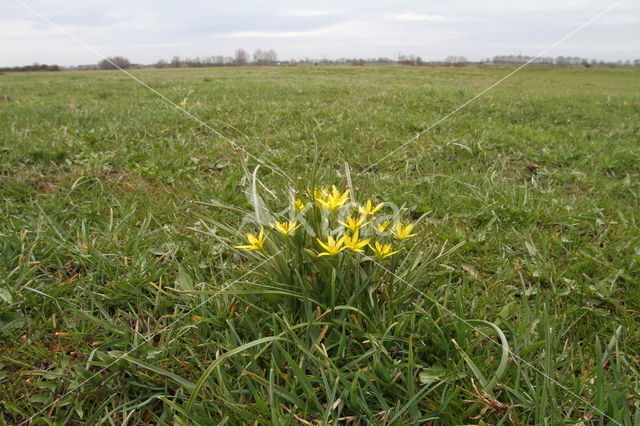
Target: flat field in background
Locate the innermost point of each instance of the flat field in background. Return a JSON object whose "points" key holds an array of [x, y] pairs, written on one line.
{"points": [[540, 178]]}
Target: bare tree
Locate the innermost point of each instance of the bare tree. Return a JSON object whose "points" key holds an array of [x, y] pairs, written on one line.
{"points": [[114, 62], [241, 57], [265, 57], [271, 57], [456, 61], [409, 60], [257, 57], [176, 62]]}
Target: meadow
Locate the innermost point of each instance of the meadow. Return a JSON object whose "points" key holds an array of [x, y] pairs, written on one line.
{"points": [[121, 303]]}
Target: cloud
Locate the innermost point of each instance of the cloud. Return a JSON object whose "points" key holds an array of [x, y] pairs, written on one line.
{"points": [[411, 16], [273, 34], [625, 20], [26, 28], [305, 13], [328, 28]]}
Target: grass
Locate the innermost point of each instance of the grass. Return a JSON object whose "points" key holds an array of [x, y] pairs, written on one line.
{"points": [[114, 310]]}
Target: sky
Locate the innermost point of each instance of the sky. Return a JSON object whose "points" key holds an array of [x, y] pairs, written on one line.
{"points": [[147, 30]]}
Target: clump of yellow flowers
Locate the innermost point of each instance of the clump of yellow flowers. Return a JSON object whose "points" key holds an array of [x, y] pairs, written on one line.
{"points": [[355, 228], [325, 250]]}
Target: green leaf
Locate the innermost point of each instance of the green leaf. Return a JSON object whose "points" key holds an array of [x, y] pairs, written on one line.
{"points": [[472, 365], [5, 295], [471, 270], [184, 281], [507, 310], [77, 406], [533, 251], [433, 375], [46, 385], [10, 321], [176, 378], [39, 397]]}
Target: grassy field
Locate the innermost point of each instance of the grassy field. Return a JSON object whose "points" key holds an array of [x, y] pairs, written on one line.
{"points": [[114, 309]]}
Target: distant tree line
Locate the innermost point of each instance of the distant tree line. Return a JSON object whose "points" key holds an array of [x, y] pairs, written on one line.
{"points": [[114, 63], [268, 57], [34, 67], [562, 61], [240, 58], [409, 60]]}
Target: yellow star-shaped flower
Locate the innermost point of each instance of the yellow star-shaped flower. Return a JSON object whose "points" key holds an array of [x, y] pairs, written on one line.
{"points": [[320, 193], [382, 251], [332, 247], [368, 209], [255, 242], [354, 224], [353, 242], [382, 226], [402, 232], [298, 204], [334, 200], [286, 228]]}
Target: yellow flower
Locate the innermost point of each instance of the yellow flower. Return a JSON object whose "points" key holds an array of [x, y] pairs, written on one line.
{"points": [[255, 242], [183, 103], [382, 226], [403, 231], [382, 251], [354, 224], [354, 244], [298, 204], [368, 209], [334, 200], [320, 193], [332, 247], [286, 228]]}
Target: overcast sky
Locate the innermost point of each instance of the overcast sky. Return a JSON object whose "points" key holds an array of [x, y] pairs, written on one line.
{"points": [[147, 30]]}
